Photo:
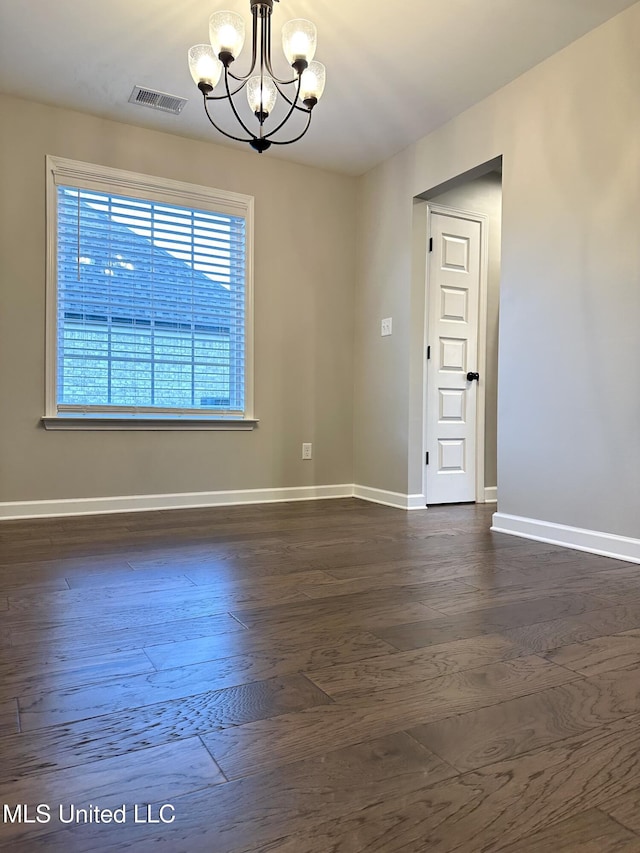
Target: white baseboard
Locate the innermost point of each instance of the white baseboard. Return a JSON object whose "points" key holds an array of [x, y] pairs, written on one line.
{"points": [[395, 499], [607, 544], [491, 495], [188, 500], [15, 510]]}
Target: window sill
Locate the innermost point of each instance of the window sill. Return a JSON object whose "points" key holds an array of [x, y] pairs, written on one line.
{"points": [[137, 422]]}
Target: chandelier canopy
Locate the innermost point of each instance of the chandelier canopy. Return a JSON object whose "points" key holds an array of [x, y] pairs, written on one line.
{"points": [[210, 64]]}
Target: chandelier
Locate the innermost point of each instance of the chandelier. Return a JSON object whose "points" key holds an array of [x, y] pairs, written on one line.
{"points": [[210, 64]]}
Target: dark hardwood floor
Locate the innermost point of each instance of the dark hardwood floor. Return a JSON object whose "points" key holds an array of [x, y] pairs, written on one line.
{"points": [[324, 677]]}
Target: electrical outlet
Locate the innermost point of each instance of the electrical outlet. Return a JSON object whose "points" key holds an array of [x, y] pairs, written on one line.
{"points": [[385, 328], [306, 451]]}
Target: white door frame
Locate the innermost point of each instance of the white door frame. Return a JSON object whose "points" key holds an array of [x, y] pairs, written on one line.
{"points": [[483, 220]]}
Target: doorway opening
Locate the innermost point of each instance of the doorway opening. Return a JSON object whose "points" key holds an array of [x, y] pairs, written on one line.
{"points": [[462, 298]]}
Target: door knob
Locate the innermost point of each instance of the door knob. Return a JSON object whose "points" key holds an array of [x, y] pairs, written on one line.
{"points": [[471, 376]]}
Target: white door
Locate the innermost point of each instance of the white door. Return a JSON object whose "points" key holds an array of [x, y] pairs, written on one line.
{"points": [[453, 277]]}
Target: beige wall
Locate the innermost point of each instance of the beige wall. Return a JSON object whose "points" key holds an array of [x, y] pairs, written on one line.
{"points": [[304, 272], [568, 411], [484, 195]]}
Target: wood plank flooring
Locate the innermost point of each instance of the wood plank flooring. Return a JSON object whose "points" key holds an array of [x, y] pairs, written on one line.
{"points": [[322, 677]]}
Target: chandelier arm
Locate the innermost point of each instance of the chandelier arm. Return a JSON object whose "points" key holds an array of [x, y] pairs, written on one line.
{"points": [[225, 97], [220, 130], [254, 51], [235, 111], [296, 138], [288, 100], [275, 79], [289, 114]]}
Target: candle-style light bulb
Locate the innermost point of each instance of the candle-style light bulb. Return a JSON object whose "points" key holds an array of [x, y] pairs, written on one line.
{"points": [[299, 39], [261, 94], [204, 66], [226, 31], [312, 83]]}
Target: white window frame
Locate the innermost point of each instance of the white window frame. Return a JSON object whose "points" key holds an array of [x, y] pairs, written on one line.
{"points": [[87, 176]]}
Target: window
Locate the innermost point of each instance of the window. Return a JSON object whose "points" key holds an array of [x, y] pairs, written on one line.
{"points": [[149, 300]]}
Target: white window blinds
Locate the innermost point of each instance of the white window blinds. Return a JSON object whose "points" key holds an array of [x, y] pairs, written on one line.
{"points": [[150, 306]]}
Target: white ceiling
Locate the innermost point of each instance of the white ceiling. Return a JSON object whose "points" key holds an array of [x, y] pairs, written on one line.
{"points": [[395, 70]]}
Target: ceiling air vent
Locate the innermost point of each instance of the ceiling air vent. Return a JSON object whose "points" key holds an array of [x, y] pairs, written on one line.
{"points": [[157, 100]]}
